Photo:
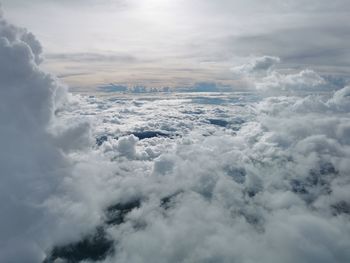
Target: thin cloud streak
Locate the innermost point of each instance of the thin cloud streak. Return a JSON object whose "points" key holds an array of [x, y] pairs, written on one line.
{"points": [[194, 34]]}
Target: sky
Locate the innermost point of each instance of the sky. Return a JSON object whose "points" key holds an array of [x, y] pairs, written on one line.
{"points": [[177, 43]]}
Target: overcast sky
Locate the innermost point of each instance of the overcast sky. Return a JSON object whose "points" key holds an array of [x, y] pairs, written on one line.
{"points": [[157, 43]]}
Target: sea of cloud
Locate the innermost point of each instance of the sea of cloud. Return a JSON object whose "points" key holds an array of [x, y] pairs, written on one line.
{"points": [[172, 177]]}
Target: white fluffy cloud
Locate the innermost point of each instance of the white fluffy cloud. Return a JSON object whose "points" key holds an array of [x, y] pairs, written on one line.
{"points": [[341, 99], [266, 176], [172, 177], [256, 65], [305, 80], [260, 73], [33, 162]]}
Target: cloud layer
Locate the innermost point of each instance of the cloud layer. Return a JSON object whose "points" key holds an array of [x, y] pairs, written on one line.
{"points": [[236, 178], [184, 42]]}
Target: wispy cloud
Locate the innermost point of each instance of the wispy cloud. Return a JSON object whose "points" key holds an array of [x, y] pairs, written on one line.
{"points": [[188, 34], [91, 57]]}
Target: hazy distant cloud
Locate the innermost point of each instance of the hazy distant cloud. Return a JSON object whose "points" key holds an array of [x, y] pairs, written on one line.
{"points": [[305, 80], [259, 72], [310, 45], [67, 3], [190, 33], [256, 65], [274, 6], [91, 57]]}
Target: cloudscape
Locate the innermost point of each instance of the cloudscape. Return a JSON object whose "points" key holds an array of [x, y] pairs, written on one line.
{"points": [[174, 131]]}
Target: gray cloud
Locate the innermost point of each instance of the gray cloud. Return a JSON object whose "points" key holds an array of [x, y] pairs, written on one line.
{"points": [[91, 57], [259, 72], [33, 160], [311, 46], [198, 35], [256, 65]]}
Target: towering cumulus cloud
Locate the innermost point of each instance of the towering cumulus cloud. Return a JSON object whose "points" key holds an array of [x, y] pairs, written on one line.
{"points": [[32, 161]]}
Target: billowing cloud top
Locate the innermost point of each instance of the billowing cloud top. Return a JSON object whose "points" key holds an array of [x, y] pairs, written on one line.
{"points": [[257, 65], [32, 159]]}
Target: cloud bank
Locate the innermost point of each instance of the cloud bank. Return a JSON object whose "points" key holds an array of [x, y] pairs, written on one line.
{"points": [[184, 42], [256, 65], [260, 74]]}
